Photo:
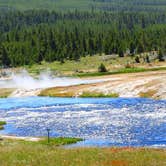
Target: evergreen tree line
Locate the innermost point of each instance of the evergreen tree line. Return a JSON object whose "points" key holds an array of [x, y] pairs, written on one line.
{"points": [[130, 5], [13, 19], [95, 5], [33, 36]]}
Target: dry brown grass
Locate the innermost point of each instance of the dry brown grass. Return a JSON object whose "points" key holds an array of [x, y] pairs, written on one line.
{"points": [[69, 91], [148, 94], [5, 92]]}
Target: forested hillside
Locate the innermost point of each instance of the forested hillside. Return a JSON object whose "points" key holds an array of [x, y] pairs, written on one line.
{"points": [[130, 5], [113, 5], [31, 36], [47, 4]]}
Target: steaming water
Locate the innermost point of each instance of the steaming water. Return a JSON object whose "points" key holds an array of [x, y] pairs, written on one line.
{"points": [[101, 122], [23, 80], [26, 85]]}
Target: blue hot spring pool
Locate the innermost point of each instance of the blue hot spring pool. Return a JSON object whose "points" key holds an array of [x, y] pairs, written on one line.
{"points": [[101, 121]]}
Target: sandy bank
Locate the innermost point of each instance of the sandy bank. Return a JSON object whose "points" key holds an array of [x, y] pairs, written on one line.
{"points": [[33, 139]]}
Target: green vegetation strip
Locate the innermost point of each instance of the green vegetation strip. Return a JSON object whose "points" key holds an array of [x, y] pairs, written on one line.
{"points": [[52, 141], [60, 141], [2, 123], [95, 94], [121, 71]]}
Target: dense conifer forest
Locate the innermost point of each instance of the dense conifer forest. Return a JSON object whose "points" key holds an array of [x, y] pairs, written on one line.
{"points": [[105, 5], [34, 35]]}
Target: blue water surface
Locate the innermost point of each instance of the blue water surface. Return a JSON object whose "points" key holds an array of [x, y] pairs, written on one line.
{"points": [[100, 121]]}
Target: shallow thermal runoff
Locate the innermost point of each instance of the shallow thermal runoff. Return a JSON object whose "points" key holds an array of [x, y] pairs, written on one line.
{"points": [[148, 84], [23, 84]]}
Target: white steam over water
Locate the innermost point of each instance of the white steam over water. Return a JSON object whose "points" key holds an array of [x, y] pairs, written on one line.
{"points": [[23, 80], [26, 85]]}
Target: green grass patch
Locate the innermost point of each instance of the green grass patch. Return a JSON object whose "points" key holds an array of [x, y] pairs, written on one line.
{"points": [[88, 66], [85, 64], [97, 94], [120, 71], [2, 123], [60, 141]]}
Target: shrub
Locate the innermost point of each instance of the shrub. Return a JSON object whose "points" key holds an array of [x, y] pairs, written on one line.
{"points": [[102, 68], [160, 56], [128, 66], [147, 59], [137, 60]]}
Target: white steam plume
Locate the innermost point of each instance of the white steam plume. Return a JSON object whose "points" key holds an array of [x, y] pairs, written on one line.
{"points": [[23, 80]]}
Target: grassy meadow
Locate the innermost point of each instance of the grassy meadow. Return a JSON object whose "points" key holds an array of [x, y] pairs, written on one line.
{"points": [[88, 66], [34, 154]]}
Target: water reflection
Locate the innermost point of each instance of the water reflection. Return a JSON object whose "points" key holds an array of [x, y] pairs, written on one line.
{"points": [[101, 122]]}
